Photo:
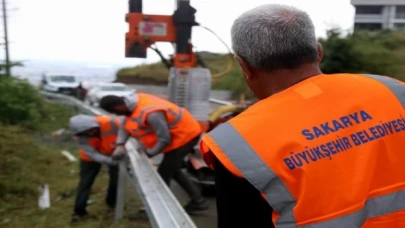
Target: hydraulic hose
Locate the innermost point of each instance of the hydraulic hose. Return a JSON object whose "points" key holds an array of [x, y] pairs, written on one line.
{"points": [[230, 62], [217, 113], [229, 65], [164, 60]]}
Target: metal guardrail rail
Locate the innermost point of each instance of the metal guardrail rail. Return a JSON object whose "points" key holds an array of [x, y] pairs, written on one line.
{"points": [[220, 102], [215, 103], [162, 207]]}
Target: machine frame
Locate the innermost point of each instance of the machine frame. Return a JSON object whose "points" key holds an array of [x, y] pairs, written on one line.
{"points": [[147, 29]]}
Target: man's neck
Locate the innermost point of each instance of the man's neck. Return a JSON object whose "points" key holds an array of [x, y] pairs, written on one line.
{"points": [[284, 79]]}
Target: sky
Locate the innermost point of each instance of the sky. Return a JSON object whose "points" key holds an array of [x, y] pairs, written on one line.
{"points": [[94, 30]]}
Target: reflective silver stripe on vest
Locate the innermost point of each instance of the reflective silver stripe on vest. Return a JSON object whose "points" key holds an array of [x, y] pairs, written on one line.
{"points": [[256, 172], [278, 196], [397, 88], [112, 131], [373, 207], [178, 117], [142, 113], [146, 129]]}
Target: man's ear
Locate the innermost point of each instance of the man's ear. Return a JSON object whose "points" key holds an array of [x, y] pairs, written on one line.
{"points": [[320, 53], [121, 107], [247, 71]]}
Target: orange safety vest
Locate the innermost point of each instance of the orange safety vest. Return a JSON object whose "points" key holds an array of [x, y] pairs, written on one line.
{"points": [[326, 153], [106, 144], [182, 125]]}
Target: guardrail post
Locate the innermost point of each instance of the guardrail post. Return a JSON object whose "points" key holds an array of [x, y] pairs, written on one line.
{"points": [[121, 191]]}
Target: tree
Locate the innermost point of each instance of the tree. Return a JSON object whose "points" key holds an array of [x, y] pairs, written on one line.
{"points": [[20, 103], [340, 54]]}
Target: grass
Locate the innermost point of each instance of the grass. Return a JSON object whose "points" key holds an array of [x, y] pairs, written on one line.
{"points": [[31, 158]]}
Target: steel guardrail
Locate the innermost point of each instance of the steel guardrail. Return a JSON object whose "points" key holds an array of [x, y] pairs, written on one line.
{"points": [[162, 207]]}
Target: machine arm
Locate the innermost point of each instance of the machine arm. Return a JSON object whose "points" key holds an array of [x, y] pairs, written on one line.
{"points": [[145, 30]]}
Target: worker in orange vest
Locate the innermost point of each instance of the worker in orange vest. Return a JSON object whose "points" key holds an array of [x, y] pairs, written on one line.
{"points": [[317, 150], [161, 127], [96, 137]]}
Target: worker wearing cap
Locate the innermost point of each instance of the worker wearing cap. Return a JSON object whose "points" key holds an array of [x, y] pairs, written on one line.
{"points": [[161, 127], [96, 137], [317, 150]]}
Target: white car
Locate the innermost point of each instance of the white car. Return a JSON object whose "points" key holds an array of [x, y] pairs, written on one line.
{"points": [[59, 83], [97, 92]]}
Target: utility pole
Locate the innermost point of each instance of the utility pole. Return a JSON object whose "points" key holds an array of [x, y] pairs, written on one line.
{"points": [[7, 65]]}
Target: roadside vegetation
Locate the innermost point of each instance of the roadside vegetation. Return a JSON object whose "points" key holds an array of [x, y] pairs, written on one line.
{"points": [[30, 157], [380, 52]]}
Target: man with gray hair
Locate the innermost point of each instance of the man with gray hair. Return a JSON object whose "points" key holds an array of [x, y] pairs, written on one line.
{"points": [[317, 150]]}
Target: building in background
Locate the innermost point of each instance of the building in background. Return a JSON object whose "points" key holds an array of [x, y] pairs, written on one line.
{"points": [[379, 14]]}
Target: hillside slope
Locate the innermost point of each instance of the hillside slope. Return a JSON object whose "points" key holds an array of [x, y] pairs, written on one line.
{"points": [[157, 73], [380, 53], [30, 157]]}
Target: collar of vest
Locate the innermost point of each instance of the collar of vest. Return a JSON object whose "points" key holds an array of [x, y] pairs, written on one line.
{"points": [[131, 101]]}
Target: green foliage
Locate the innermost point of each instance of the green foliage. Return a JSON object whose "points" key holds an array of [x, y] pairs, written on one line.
{"points": [[55, 116], [155, 70], [26, 162], [364, 52], [22, 110], [10, 65], [12, 165], [30, 158], [380, 52], [18, 145], [340, 54], [20, 103]]}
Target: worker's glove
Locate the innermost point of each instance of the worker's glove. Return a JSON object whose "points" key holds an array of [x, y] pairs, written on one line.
{"points": [[119, 153]]}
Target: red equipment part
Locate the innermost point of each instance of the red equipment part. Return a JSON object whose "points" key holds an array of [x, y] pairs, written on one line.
{"points": [[145, 30]]}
